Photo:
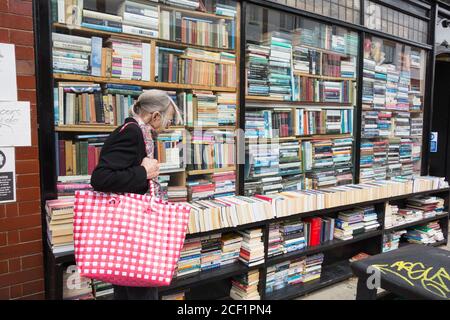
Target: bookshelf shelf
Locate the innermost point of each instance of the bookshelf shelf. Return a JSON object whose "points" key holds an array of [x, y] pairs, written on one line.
{"points": [[145, 84], [211, 127], [278, 103], [325, 51], [307, 75], [391, 110], [207, 60], [84, 128], [331, 274], [100, 33], [197, 13], [305, 138], [209, 171], [336, 243], [415, 223]]}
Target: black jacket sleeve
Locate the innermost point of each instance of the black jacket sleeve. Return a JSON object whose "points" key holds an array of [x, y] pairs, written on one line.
{"points": [[119, 168]]}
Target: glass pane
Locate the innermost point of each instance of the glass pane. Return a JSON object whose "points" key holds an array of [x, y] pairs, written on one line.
{"points": [[301, 82], [392, 116]]}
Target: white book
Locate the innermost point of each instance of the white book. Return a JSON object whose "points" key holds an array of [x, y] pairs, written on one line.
{"points": [[140, 31], [146, 53]]}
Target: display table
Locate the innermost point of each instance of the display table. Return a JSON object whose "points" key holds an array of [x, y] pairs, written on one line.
{"points": [[412, 272]]}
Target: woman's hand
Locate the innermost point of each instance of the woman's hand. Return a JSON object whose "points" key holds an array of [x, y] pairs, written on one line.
{"points": [[151, 167]]}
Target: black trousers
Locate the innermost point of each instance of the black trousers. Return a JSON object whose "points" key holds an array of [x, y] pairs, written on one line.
{"points": [[135, 293]]}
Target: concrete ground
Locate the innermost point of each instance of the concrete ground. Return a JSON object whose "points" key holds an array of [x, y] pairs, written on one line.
{"points": [[345, 290]]}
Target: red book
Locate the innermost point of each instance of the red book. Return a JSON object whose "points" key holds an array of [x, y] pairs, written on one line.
{"points": [[91, 159], [316, 226]]}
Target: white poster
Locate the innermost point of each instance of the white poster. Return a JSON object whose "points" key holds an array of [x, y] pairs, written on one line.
{"points": [[15, 130], [8, 81], [7, 175]]}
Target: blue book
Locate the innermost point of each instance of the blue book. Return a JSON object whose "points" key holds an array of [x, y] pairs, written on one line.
{"points": [[101, 28], [56, 105], [96, 56]]}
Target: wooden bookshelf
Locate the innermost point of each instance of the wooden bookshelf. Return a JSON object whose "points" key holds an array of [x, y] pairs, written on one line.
{"points": [[144, 84], [308, 75], [85, 128], [210, 171], [78, 30]]}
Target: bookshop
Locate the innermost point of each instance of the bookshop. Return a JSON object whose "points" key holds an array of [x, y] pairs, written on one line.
{"points": [[224, 149]]}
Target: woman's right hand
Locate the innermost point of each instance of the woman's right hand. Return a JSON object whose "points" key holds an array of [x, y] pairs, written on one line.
{"points": [[151, 167]]}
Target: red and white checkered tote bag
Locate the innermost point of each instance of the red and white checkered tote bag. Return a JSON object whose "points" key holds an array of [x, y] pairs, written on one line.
{"points": [[130, 239]]}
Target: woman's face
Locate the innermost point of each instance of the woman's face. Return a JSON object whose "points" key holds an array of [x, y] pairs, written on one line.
{"points": [[161, 122]]}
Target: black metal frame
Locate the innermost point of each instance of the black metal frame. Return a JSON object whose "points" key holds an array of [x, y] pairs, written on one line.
{"points": [[43, 28]]}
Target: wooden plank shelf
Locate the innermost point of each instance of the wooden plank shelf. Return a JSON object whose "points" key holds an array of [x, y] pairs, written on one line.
{"points": [[316, 76], [74, 29], [209, 171], [145, 84], [85, 128]]}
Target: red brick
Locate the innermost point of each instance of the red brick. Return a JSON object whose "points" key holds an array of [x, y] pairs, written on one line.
{"points": [[27, 208], [28, 181], [21, 277], [24, 53], [25, 67], [2, 212], [33, 287], [24, 38], [4, 267], [21, 7], [30, 234], [4, 6], [27, 153], [14, 21], [37, 296], [20, 249], [14, 265], [33, 261], [28, 194], [4, 294], [11, 210], [3, 239], [4, 35], [13, 237], [16, 292], [27, 166], [27, 95], [20, 222], [26, 82]]}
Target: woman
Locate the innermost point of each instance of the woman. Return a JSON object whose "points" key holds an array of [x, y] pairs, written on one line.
{"points": [[127, 160]]}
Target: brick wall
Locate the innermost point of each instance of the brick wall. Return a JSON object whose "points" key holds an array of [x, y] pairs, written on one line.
{"points": [[21, 258]]}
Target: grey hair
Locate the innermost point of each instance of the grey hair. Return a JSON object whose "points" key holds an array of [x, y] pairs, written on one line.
{"points": [[155, 100]]}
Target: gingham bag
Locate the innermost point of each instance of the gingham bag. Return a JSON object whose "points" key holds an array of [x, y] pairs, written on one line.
{"points": [[128, 239]]}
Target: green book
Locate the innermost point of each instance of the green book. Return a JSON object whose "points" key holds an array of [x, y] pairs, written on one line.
{"points": [[83, 151]]}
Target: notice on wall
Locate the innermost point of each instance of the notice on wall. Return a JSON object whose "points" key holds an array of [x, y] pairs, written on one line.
{"points": [[7, 175], [8, 87], [15, 129]]}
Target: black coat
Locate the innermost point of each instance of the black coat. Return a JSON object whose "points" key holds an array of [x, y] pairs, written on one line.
{"points": [[119, 168]]}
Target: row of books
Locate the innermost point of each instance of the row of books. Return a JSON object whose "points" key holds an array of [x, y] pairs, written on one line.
{"points": [[416, 209], [245, 287], [309, 89], [195, 66], [426, 234], [354, 222], [292, 272], [320, 154], [216, 185], [387, 124]]}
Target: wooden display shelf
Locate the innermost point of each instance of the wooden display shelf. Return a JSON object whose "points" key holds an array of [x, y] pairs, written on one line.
{"points": [[308, 75], [208, 60], [209, 171], [146, 84], [85, 128], [100, 33], [196, 13]]}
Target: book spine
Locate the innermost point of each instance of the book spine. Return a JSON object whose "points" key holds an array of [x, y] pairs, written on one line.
{"points": [[96, 56]]}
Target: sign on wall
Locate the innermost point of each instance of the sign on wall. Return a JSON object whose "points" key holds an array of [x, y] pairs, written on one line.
{"points": [[15, 124], [8, 87], [7, 175]]}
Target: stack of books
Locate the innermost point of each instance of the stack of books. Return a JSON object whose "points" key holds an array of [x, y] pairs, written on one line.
{"points": [[169, 150], [226, 109], [263, 160], [177, 194], [290, 163], [59, 216], [430, 206], [391, 241], [67, 185], [257, 65], [296, 271], [349, 224], [231, 248], [348, 68], [293, 235], [205, 103], [200, 189], [102, 290], [252, 249], [258, 124], [225, 183], [130, 59], [313, 267], [275, 240], [280, 61], [427, 234], [370, 219], [245, 287], [189, 262], [276, 277], [74, 54], [140, 19], [211, 253], [101, 21]]}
